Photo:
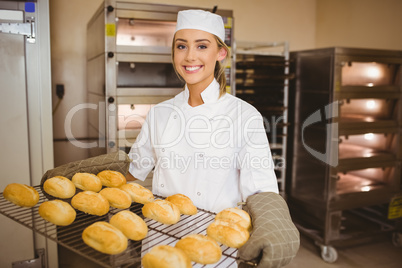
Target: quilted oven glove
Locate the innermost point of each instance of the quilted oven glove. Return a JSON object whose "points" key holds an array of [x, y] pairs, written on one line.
{"points": [[118, 161], [274, 240]]}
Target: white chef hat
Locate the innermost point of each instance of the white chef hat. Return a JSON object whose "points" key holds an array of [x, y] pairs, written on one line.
{"points": [[201, 20]]}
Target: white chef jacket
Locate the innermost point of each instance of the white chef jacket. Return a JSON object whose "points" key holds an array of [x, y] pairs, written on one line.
{"points": [[216, 153]]}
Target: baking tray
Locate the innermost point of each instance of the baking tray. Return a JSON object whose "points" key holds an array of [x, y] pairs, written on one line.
{"points": [[70, 236]]}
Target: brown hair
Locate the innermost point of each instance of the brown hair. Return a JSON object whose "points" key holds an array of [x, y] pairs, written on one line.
{"points": [[220, 67]]}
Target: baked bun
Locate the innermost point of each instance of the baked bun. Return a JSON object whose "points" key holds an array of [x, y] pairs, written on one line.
{"points": [[184, 204], [165, 256], [200, 248], [132, 225], [111, 178], [162, 211], [105, 238], [228, 233], [59, 187], [138, 193], [117, 198], [87, 182], [91, 203], [21, 195], [237, 215], [57, 212]]}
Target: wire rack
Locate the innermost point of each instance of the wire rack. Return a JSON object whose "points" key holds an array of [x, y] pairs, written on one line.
{"points": [[70, 236]]}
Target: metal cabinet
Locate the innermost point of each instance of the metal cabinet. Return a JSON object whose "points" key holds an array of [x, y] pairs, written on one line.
{"points": [[26, 117], [346, 153]]}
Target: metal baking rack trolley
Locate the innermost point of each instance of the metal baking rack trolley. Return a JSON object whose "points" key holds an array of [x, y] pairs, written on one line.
{"points": [[70, 236]]}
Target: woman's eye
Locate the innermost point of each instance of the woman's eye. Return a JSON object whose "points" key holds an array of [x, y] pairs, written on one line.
{"points": [[202, 46], [180, 47]]}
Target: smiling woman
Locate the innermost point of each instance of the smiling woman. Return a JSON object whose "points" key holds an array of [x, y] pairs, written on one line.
{"points": [[205, 144], [195, 55], [226, 130]]}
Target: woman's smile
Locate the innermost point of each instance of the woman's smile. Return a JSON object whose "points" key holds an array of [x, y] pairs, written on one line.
{"points": [[193, 69]]}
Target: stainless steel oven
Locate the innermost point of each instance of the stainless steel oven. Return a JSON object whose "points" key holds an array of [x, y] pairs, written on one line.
{"points": [[347, 150], [129, 68]]}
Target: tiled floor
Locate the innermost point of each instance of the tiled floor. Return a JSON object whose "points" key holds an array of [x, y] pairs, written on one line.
{"points": [[382, 254]]}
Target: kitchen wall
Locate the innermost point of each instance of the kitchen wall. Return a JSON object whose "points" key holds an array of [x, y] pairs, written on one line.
{"points": [[359, 23], [306, 24], [68, 21]]}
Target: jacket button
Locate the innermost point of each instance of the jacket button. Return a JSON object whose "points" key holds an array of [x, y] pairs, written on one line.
{"points": [[162, 185], [175, 116], [198, 193], [163, 149]]}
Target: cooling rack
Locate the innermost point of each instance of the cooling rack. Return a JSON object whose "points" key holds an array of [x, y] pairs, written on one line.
{"points": [[158, 233]]}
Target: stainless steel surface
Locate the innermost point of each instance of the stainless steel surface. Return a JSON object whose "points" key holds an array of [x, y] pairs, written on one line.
{"points": [[356, 96], [38, 262], [147, 74], [27, 29], [139, 32], [70, 236]]}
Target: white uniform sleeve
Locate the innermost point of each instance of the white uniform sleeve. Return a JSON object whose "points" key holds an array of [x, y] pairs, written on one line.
{"points": [[142, 153], [256, 165]]}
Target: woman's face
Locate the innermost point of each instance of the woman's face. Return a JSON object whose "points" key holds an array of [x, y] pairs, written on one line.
{"points": [[195, 56]]}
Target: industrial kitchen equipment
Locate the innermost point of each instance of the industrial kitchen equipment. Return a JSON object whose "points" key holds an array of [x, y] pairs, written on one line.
{"points": [[347, 151], [262, 79], [129, 68]]}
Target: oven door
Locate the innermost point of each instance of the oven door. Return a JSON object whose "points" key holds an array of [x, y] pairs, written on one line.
{"points": [[143, 80], [145, 70]]}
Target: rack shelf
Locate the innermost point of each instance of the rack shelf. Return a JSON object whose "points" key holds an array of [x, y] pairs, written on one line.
{"points": [[70, 236], [262, 78]]}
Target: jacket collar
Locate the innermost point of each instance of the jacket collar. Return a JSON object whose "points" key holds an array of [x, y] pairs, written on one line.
{"points": [[209, 95]]}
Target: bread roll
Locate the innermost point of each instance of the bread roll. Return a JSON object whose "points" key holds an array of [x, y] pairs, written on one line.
{"points": [[105, 238], [162, 211], [184, 204], [111, 178], [21, 195], [87, 182], [237, 215], [57, 212], [138, 193], [228, 233], [165, 256], [91, 203], [59, 187], [200, 248], [132, 225], [117, 198]]}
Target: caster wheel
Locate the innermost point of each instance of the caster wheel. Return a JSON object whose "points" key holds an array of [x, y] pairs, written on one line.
{"points": [[329, 254], [397, 239]]}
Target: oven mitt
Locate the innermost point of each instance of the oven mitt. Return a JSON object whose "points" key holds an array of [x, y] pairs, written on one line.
{"points": [[117, 161], [274, 240]]}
